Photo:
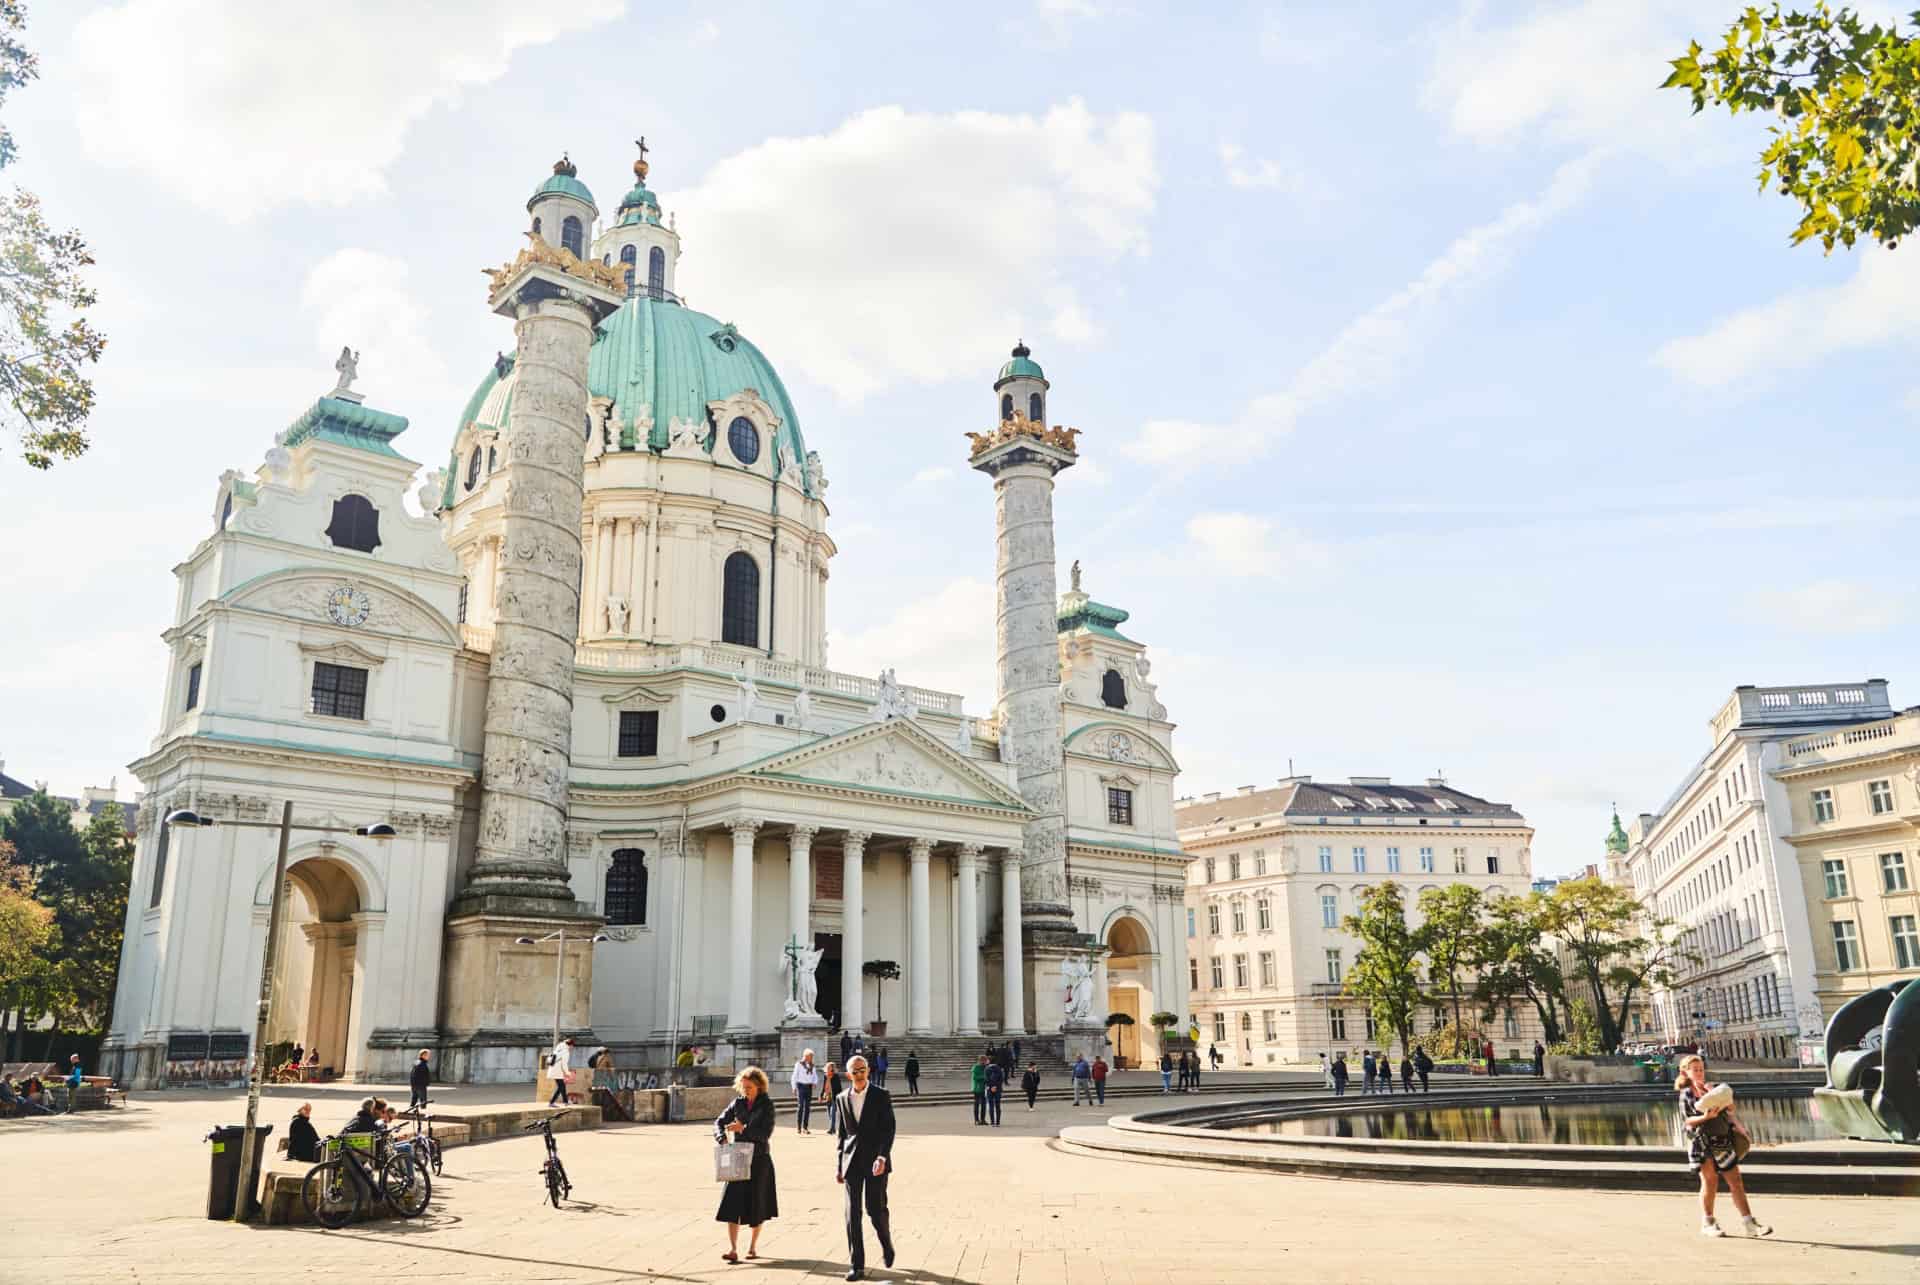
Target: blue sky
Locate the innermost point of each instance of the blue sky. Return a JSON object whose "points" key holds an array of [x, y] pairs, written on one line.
{"points": [[1451, 402]]}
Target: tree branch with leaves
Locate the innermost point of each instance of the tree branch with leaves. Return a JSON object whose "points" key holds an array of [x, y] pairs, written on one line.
{"points": [[1387, 972], [1618, 950], [1515, 963]]}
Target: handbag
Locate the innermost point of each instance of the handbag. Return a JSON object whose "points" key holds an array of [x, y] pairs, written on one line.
{"points": [[732, 1161]]}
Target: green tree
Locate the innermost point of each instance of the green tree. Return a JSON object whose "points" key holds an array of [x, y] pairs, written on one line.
{"points": [[82, 877], [1449, 934], [1845, 95], [882, 971], [1618, 950], [46, 342], [1515, 963], [26, 927], [1387, 972]]}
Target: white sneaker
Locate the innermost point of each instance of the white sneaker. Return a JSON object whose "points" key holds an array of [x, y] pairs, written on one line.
{"points": [[1754, 1227], [1708, 1227]]}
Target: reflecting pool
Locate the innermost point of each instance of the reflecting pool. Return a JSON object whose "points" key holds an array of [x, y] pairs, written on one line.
{"points": [[1771, 1121]]}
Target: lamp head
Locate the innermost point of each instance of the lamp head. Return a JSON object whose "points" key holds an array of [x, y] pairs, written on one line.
{"points": [[188, 820], [379, 830], [601, 937], [524, 941]]}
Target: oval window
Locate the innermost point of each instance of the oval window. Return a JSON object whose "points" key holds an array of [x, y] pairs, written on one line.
{"points": [[718, 713], [744, 439]]}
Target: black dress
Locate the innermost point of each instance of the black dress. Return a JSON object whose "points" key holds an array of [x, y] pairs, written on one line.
{"points": [[1711, 1142], [754, 1200], [303, 1140]]}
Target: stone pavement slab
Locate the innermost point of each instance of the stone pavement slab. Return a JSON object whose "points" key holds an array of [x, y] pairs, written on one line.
{"points": [[971, 1204]]}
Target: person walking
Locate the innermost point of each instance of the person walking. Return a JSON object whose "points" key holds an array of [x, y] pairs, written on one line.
{"points": [[1366, 1073], [1424, 1065], [1406, 1073], [1166, 1071], [1100, 1078], [1082, 1080], [996, 1091], [831, 1082], [1383, 1067], [880, 1066], [913, 1073], [846, 1047], [1539, 1060], [754, 1199], [1016, 1052], [980, 1089], [1492, 1068], [1715, 1140], [1214, 1058], [863, 1161], [1339, 1072], [806, 1085], [418, 1079], [1326, 1072], [1030, 1084], [1193, 1076], [558, 1072]]}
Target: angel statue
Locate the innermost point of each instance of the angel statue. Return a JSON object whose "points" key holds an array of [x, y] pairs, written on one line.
{"points": [[348, 366], [1077, 971], [749, 697], [803, 994]]}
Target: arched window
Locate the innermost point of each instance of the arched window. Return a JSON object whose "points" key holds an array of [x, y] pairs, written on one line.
{"points": [[740, 601], [1113, 690], [626, 897], [657, 272], [355, 525], [536, 227], [629, 256], [571, 239], [1036, 408], [1006, 406], [473, 469]]}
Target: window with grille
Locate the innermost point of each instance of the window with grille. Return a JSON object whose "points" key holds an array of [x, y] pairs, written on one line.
{"points": [[1846, 945], [159, 864], [355, 524], [1259, 861], [740, 601], [1120, 808], [193, 685], [1880, 797], [1893, 871], [626, 896], [1337, 1023], [639, 733], [339, 691]]}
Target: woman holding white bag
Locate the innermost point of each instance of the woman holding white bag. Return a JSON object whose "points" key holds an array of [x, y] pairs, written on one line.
{"points": [[751, 1200], [1715, 1144]]}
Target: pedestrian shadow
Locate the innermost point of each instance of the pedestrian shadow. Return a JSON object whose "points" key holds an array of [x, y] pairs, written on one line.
{"points": [[546, 1265], [1903, 1251], [837, 1266]]}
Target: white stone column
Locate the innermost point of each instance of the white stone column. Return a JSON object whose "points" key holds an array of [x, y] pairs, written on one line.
{"points": [[853, 852], [370, 997], [1013, 1010], [968, 865], [602, 574], [642, 567], [622, 563], [740, 976], [800, 885], [920, 939]]}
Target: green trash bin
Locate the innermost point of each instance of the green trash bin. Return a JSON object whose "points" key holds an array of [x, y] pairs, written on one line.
{"points": [[224, 1179]]}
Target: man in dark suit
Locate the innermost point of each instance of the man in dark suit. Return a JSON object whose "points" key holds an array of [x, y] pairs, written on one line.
{"points": [[863, 1163]]}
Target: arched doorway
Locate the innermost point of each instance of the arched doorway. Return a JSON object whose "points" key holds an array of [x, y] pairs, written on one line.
{"points": [[314, 967], [1130, 989]]}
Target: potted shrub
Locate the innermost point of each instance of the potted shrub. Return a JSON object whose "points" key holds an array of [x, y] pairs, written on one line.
{"points": [[1113, 1020], [882, 971]]}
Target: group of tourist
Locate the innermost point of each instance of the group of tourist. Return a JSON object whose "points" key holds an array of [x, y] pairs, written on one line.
{"points": [[1186, 1067], [1089, 1078], [816, 1085], [1376, 1072], [29, 1096], [863, 1127]]}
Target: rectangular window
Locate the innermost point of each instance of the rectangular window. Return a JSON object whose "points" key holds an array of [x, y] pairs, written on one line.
{"points": [[1337, 1023], [1213, 921], [1459, 861], [1493, 861], [1393, 861], [1219, 1028], [1267, 1026], [1240, 970], [159, 865], [1326, 859], [1259, 861], [1373, 1027], [1233, 865], [626, 897], [1209, 868], [1190, 923], [1193, 974], [1835, 873], [1906, 941], [1217, 971], [460, 612], [1426, 860], [1120, 810], [1239, 916], [1263, 909], [339, 691], [1822, 805], [193, 685], [1268, 977], [1359, 861], [1893, 871], [1333, 965], [1329, 910], [1880, 797], [1846, 946], [639, 733]]}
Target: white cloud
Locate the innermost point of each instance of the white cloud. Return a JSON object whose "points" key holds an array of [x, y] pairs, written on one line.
{"points": [[241, 107], [1368, 350], [360, 298], [1832, 607], [1248, 546], [706, 33], [944, 641], [928, 476], [1878, 304], [1070, 322], [932, 239], [1252, 173]]}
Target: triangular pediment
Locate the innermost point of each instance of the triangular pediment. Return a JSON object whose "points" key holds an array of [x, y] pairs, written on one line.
{"points": [[894, 757]]}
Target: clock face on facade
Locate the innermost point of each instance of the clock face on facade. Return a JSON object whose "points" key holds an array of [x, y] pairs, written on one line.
{"points": [[348, 605]]}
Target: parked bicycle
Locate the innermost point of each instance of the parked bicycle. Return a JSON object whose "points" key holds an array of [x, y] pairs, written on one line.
{"points": [[553, 1173], [357, 1169], [425, 1144]]}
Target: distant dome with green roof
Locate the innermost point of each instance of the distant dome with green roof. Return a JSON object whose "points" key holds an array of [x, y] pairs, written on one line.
{"points": [[563, 183], [1617, 837], [1022, 366]]}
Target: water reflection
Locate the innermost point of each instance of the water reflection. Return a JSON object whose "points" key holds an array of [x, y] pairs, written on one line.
{"points": [[1771, 1121]]}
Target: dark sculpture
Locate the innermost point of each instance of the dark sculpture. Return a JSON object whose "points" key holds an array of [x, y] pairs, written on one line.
{"points": [[1873, 1066]]}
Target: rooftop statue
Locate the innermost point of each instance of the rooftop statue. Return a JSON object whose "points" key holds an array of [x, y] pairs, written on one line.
{"points": [[348, 366]]}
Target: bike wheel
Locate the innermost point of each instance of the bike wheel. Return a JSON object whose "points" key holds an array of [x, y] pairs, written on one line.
{"points": [[433, 1152], [331, 1196], [406, 1186], [556, 1178]]}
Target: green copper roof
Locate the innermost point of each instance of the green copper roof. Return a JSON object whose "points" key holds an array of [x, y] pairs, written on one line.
{"points": [[562, 185], [668, 361], [1617, 837], [348, 423], [1095, 617], [1022, 366]]}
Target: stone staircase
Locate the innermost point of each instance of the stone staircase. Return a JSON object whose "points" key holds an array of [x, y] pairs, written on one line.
{"points": [[951, 1054]]}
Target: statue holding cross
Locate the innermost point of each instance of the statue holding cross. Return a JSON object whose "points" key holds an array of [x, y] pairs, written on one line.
{"points": [[803, 992]]}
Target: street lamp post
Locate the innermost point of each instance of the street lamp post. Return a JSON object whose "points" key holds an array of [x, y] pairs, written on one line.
{"points": [[559, 965], [183, 819]]}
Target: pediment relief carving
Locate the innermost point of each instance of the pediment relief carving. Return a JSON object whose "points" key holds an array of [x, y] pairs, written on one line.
{"points": [[897, 757], [638, 695], [304, 595], [342, 653]]}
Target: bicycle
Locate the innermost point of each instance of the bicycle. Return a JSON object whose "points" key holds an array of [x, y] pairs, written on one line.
{"points": [[552, 1172], [342, 1185], [429, 1146]]}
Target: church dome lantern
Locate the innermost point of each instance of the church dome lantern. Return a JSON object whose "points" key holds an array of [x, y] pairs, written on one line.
{"points": [[563, 210], [1022, 386], [647, 249]]}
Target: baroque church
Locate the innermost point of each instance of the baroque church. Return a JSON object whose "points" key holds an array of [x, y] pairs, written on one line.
{"points": [[588, 687]]}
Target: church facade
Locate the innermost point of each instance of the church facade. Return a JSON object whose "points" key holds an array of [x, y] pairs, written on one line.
{"points": [[588, 685]]}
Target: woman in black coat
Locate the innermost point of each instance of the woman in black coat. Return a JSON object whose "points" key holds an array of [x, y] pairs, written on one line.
{"points": [[303, 1140], [748, 1118]]}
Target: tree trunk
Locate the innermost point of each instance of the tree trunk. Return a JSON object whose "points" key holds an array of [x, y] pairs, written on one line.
{"points": [[1602, 1011]]}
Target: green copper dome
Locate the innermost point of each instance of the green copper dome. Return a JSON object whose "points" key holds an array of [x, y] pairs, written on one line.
{"points": [[639, 206], [1617, 837], [662, 360], [1022, 366], [563, 183]]}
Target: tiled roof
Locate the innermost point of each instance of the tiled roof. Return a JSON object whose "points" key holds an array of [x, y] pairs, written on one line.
{"points": [[129, 813], [1317, 798], [12, 789]]}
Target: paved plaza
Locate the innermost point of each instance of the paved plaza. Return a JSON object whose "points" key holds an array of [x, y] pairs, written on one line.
{"points": [[123, 1197]]}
